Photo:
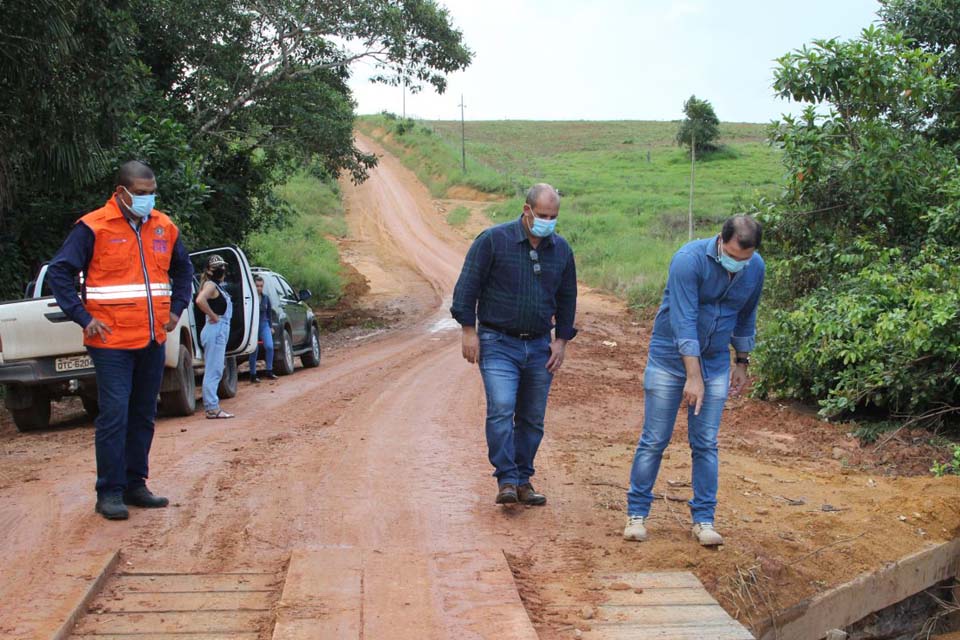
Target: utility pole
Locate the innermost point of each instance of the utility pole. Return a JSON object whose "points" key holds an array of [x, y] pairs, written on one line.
{"points": [[404, 98], [693, 163], [463, 136]]}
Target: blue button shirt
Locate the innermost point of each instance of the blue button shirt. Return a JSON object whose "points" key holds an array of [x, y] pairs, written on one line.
{"points": [[705, 311], [498, 283]]}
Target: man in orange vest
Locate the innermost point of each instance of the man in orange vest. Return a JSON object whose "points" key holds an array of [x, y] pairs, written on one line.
{"points": [[137, 282]]}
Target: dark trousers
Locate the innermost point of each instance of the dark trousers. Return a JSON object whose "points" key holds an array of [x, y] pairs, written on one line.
{"points": [[128, 382]]}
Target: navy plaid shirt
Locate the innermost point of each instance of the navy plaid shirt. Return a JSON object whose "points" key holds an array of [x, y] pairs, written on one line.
{"points": [[499, 283]]}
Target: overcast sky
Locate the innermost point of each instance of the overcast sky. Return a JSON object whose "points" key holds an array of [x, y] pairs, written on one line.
{"points": [[620, 59]]}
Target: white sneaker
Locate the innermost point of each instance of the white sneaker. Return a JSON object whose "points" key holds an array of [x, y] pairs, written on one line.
{"points": [[635, 529], [706, 534]]}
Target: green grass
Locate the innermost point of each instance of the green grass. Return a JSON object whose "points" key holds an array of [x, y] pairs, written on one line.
{"points": [[625, 184], [458, 217], [302, 250]]}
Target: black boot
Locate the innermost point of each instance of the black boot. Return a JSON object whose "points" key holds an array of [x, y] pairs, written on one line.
{"points": [[111, 507], [142, 497]]}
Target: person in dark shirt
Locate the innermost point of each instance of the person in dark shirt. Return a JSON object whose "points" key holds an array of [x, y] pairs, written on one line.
{"points": [[265, 336], [138, 278], [517, 279]]}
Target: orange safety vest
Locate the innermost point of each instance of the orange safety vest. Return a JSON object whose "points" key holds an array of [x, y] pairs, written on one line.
{"points": [[127, 283]]}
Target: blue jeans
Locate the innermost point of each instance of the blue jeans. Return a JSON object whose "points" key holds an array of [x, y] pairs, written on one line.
{"points": [[213, 338], [517, 383], [663, 393], [267, 337], [128, 382]]}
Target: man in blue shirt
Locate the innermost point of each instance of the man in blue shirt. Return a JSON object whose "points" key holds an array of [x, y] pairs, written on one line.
{"points": [[709, 304], [517, 280]]}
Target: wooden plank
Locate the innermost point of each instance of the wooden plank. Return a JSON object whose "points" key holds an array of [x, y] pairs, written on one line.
{"points": [[853, 601], [192, 583], [397, 600], [657, 580], [73, 602], [671, 605], [322, 596], [648, 597], [601, 631], [401, 595], [656, 615], [479, 597], [121, 602], [177, 622], [229, 635]]}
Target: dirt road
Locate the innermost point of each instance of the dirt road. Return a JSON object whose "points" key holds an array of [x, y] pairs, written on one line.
{"points": [[380, 452]]}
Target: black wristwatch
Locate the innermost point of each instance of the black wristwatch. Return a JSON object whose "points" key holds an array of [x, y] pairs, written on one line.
{"points": [[743, 360]]}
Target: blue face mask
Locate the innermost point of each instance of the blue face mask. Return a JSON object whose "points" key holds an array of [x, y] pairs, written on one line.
{"points": [[142, 205], [728, 263], [542, 228]]}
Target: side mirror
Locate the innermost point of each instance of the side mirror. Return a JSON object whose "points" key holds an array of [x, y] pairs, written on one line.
{"points": [[305, 295]]}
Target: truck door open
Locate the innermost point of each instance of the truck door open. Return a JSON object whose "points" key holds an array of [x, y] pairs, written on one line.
{"points": [[239, 285]]}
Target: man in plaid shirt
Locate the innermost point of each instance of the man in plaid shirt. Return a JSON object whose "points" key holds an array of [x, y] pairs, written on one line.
{"points": [[518, 283]]}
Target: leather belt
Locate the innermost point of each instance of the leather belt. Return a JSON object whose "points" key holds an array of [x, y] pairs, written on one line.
{"points": [[520, 335]]}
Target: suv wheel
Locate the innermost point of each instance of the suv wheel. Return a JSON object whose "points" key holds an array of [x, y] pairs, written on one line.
{"points": [[284, 364], [311, 358]]}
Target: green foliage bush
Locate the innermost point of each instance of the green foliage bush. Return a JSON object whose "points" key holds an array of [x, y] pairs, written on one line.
{"points": [[302, 249], [884, 336], [863, 309], [458, 216]]}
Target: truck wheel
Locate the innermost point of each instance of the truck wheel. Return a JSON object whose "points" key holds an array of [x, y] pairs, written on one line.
{"points": [[182, 401], [228, 383], [37, 414], [284, 364], [311, 358], [91, 405]]}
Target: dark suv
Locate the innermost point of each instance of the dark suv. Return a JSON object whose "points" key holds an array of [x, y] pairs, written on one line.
{"points": [[295, 328]]}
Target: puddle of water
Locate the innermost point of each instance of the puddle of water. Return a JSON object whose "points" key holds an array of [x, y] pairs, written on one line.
{"points": [[446, 324]]}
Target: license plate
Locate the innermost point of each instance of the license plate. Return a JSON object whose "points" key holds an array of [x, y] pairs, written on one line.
{"points": [[74, 363]]}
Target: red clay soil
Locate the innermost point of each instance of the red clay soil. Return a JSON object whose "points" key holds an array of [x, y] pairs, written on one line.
{"points": [[382, 448]]}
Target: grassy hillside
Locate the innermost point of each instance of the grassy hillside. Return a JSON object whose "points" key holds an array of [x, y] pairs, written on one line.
{"points": [[625, 184], [302, 251]]}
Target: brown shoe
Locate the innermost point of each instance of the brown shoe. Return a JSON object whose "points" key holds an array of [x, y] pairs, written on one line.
{"points": [[528, 495], [507, 494]]}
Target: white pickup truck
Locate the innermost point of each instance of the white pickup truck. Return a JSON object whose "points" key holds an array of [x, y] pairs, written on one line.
{"points": [[42, 357]]}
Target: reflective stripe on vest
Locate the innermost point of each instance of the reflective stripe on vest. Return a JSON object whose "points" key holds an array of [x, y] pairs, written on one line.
{"points": [[121, 291]]}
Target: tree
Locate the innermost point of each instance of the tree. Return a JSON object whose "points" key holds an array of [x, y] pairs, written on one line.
{"points": [[866, 256], [697, 132], [700, 127], [935, 28], [225, 98]]}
